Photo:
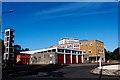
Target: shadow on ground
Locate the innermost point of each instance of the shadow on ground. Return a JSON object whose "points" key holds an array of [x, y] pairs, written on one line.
{"points": [[28, 70]]}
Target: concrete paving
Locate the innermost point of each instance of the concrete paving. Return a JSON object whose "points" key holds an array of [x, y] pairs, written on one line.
{"points": [[111, 67], [110, 70]]}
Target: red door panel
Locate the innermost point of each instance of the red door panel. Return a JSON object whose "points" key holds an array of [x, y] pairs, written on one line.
{"points": [[60, 58], [73, 59], [79, 59], [68, 59], [23, 61]]}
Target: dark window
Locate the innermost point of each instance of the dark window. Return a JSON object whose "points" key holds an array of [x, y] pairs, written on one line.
{"points": [[89, 52], [7, 38], [11, 33], [49, 50], [73, 51], [67, 51], [54, 50], [60, 50], [80, 52], [84, 51], [7, 33]]}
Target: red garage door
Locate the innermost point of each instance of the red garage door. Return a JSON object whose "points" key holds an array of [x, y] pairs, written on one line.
{"points": [[60, 58], [74, 59], [67, 58], [79, 59]]}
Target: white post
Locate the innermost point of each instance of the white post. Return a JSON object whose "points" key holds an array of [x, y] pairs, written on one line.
{"points": [[71, 56], [77, 58], [99, 62], [31, 59], [82, 57], [64, 57]]}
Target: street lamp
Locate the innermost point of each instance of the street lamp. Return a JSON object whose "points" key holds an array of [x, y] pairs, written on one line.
{"points": [[10, 11]]}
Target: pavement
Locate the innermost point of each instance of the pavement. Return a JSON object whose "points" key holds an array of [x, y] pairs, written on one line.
{"points": [[111, 67], [110, 70], [59, 72]]}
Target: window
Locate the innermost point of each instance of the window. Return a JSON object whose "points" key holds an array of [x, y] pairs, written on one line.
{"points": [[89, 52], [60, 50], [69, 46], [67, 51], [85, 58], [7, 38], [7, 33], [73, 52], [80, 52], [76, 45], [90, 44], [84, 52], [76, 52], [54, 50]]}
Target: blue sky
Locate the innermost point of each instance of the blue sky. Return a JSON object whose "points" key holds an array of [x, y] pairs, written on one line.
{"points": [[40, 25]]}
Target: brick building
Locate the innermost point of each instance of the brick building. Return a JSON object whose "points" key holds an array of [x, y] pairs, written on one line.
{"points": [[92, 50]]}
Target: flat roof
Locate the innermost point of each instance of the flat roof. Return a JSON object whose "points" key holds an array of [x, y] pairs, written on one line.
{"points": [[91, 40], [40, 50], [9, 29], [69, 38]]}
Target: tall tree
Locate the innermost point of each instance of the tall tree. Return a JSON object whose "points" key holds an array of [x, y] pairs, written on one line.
{"points": [[26, 49], [108, 55], [17, 49], [116, 55]]}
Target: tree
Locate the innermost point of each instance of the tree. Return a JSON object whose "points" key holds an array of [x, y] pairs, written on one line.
{"points": [[116, 55], [108, 55], [26, 49], [17, 49]]}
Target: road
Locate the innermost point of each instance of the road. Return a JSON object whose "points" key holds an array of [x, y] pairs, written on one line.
{"points": [[76, 71]]}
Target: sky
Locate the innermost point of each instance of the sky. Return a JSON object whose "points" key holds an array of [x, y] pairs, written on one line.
{"points": [[42, 24]]}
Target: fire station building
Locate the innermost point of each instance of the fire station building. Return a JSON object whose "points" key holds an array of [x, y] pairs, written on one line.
{"points": [[55, 55]]}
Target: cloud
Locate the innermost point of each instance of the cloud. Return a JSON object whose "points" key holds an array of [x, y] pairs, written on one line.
{"points": [[73, 8], [76, 9], [65, 7]]}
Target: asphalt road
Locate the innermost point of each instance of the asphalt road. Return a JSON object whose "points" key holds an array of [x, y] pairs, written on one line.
{"points": [[76, 71]]}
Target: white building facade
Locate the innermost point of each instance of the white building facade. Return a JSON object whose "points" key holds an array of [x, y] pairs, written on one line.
{"points": [[60, 56]]}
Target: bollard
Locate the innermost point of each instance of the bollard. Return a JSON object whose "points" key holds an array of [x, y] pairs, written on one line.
{"points": [[100, 62]]}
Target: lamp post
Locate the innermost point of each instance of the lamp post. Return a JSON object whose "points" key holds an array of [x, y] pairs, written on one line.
{"points": [[10, 11]]}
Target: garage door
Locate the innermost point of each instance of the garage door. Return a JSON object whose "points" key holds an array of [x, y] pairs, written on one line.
{"points": [[73, 59], [68, 59], [79, 59], [60, 58]]}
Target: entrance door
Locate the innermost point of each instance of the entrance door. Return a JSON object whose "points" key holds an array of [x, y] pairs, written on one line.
{"points": [[60, 58], [79, 59], [73, 59], [68, 59]]}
